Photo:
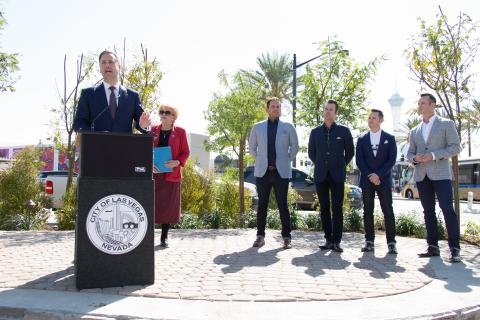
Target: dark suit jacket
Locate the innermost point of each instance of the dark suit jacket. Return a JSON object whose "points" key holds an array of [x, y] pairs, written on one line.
{"points": [[341, 152], [93, 104], [382, 164]]}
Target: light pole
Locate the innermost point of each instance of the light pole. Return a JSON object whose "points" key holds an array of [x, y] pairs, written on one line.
{"points": [[294, 85], [294, 92]]}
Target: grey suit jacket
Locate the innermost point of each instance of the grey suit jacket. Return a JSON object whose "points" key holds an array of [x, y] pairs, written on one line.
{"points": [[443, 141], [286, 147]]}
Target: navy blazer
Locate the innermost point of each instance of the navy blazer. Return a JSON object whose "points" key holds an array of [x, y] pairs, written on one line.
{"points": [[341, 152], [382, 164], [93, 111]]}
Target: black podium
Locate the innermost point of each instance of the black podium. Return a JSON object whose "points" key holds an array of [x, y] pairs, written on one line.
{"points": [[115, 217]]}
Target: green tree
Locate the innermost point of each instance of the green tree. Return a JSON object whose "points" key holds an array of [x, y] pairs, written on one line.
{"points": [[198, 194], [274, 75], [407, 126], [8, 64], [441, 58], [22, 203], [336, 76], [230, 118], [144, 76]]}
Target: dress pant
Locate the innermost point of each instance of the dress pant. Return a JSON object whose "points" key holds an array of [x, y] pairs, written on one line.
{"points": [[385, 197], [427, 189], [280, 186], [332, 219]]}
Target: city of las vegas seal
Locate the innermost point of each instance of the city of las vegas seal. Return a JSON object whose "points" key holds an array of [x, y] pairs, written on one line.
{"points": [[116, 224]]}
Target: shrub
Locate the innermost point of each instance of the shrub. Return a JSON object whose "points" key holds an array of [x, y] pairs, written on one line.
{"points": [[313, 221], [442, 230], [66, 216], [273, 219], [292, 198], [408, 225], [249, 220], [472, 233], [22, 203], [353, 220], [189, 221], [198, 190], [297, 220], [227, 199], [378, 221]]}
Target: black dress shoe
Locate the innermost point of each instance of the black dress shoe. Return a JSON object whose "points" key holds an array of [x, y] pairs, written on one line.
{"points": [[337, 248], [327, 246], [431, 252], [455, 257], [369, 247], [164, 243]]}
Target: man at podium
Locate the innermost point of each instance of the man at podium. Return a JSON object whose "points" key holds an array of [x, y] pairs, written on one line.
{"points": [[110, 106]]}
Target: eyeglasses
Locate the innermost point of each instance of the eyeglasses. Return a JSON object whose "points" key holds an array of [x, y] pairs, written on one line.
{"points": [[164, 112]]}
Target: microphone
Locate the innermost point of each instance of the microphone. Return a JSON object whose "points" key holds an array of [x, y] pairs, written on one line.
{"points": [[92, 126]]}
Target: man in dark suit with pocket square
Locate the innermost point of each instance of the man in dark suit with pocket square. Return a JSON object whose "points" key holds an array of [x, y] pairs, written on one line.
{"points": [[376, 154], [110, 106], [330, 147]]}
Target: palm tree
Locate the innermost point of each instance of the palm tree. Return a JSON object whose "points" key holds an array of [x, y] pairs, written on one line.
{"points": [[405, 129], [274, 75]]}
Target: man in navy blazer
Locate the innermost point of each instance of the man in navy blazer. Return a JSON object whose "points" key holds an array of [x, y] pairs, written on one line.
{"points": [[330, 148], [110, 106], [375, 156]]}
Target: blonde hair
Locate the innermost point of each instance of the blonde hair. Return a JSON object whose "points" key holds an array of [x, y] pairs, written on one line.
{"points": [[170, 108]]}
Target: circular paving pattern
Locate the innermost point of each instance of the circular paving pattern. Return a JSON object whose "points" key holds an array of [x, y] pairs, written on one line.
{"points": [[221, 265]]}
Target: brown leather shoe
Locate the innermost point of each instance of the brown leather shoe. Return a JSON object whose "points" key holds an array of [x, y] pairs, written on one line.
{"points": [[431, 252], [287, 243], [259, 242]]}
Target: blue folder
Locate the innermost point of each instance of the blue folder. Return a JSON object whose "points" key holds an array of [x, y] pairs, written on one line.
{"points": [[160, 155]]}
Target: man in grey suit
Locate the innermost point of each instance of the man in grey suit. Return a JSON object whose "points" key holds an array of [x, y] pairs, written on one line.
{"points": [[273, 144], [432, 144]]}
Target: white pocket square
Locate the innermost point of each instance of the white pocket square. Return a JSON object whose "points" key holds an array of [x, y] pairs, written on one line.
{"points": [[386, 141], [338, 138]]}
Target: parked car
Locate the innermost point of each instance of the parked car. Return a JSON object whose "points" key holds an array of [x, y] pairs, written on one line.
{"points": [[410, 190], [303, 184], [54, 183]]}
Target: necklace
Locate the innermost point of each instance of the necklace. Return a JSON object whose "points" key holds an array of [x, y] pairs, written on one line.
{"points": [[165, 133]]}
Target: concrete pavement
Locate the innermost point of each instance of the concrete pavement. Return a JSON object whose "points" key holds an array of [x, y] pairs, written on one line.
{"points": [[215, 274]]}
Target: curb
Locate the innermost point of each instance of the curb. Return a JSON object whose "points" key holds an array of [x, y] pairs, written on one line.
{"points": [[9, 313]]}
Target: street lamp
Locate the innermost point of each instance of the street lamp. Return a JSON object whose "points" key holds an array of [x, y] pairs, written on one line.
{"points": [[294, 85], [294, 82]]}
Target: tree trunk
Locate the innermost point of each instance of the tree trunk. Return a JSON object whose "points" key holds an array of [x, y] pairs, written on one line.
{"points": [[71, 161], [456, 195], [241, 188]]}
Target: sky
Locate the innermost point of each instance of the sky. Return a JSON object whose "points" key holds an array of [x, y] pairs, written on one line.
{"points": [[194, 40]]}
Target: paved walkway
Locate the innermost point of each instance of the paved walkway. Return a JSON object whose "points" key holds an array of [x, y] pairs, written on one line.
{"points": [[208, 274]]}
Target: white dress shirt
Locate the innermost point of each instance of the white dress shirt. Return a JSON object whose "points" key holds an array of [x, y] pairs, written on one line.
{"points": [[108, 91], [426, 128], [375, 140]]}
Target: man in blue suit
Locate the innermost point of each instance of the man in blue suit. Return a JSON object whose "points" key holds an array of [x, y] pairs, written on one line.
{"points": [[375, 156], [330, 148], [110, 106]]}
